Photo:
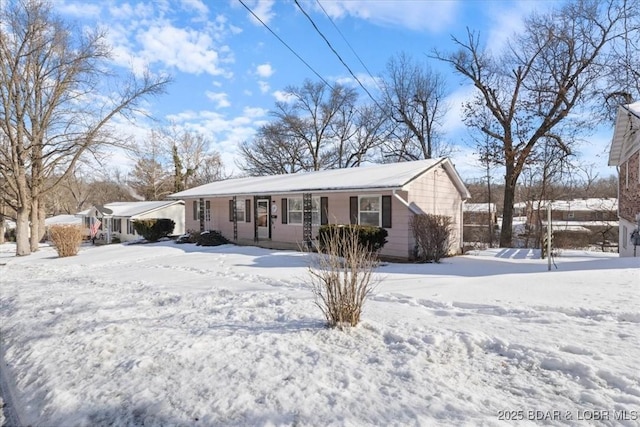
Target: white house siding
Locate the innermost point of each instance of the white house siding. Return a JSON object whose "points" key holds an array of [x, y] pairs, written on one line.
{"points": [[174, 212], [435, 193]]}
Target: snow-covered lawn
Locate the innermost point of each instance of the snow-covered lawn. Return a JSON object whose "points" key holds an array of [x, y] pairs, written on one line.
{"points": [[166, 334]]}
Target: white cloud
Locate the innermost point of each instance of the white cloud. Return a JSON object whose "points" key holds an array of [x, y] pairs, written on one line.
{"points": [[186, 49], [453, 119], [415, 15], [196, 5], [507, 19], [78, 10], [263, 10], [226, 133], [264, 71], [282, 96], [264, 86], [220, 98]]}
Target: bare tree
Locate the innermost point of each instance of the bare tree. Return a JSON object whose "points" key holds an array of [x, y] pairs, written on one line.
{"points": [[51, 109], [541, 82], [151, 177], [413, 95], [623, 75], [320, 128], [273, 152]]}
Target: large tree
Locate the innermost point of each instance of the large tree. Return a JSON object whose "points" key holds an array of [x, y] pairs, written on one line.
{"points": [[540, 88], [318, 127], [414, 97], [54, 105]]}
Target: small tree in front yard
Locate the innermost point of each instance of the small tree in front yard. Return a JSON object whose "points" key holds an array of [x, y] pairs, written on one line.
{"points": [[341, 277], [66, 239], [432, 234]]}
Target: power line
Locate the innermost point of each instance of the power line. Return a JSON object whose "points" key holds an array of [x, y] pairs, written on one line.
{"points": [[337, 54], [347, 42], [285, 44]]}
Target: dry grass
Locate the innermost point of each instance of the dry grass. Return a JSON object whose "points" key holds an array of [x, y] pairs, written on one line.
{"points": [[341, 278], [66, 239]]}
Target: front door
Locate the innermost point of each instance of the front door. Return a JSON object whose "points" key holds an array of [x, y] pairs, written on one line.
{"points": [[262, 218]]}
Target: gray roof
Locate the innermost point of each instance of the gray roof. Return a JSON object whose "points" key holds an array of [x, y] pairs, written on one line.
{"points": [[370, 177], [131, 209]]}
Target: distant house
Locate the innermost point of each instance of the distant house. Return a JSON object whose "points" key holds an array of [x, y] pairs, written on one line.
{"points": [[480, 219], [116, 219], [625, 155], [575, 223], [569, 212], [285, 211]]}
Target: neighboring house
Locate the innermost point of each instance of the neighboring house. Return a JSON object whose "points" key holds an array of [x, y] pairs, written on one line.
{"points": [[591, 211], [116, 219], [625, 155], [480, 219], [575, 223], [285, 211]]}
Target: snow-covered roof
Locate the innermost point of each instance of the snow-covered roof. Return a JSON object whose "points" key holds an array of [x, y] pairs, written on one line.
{"points": [[384, 176], [626, 134], [62, 219], [478, 207], [130, 209], [590, 204]]}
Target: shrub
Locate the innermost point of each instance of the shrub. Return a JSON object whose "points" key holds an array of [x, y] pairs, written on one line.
{"points": [[211, 238], [432, 234], [341, 278], [66, 239], [191, 236], [368, 237], [154, 229]]}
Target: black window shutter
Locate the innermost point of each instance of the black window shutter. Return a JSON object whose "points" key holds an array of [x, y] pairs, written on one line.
{"points": [[247, 210], [324, 210], [285, 210], [353, 209], [386, 211], [231, 210], [195, 210]]}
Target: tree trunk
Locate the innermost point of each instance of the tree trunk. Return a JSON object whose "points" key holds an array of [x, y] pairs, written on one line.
{"points": [[34, 236], [506, 232], [22, 232], [3, 223]]}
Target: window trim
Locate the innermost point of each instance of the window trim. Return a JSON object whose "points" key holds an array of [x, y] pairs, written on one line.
{"points": [[370, 196], [241, 208], [315, 213]]}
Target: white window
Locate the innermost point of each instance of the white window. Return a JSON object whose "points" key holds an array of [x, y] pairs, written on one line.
{"points": [[240, 210], [370, 210], [130, 229], [117, 225], [207, 210], [196, 210], [295, 210]]}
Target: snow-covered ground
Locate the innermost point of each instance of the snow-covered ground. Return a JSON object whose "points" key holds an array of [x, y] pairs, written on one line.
{"points": [[166, 334]]}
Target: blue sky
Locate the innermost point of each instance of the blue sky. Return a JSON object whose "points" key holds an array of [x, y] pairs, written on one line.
{"points": [[229, 70]]}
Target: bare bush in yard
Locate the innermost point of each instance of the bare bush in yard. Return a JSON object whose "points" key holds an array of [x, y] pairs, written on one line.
{"points": [[66, 239], [432, 235], [341, 278]]}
